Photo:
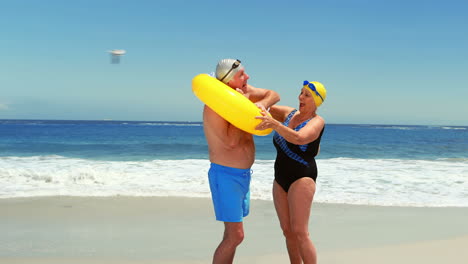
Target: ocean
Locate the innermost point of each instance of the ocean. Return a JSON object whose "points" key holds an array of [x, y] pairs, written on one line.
{"points": [[385, 165]]}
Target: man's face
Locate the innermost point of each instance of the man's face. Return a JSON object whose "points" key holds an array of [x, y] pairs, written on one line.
{"points": [[239, 80]]}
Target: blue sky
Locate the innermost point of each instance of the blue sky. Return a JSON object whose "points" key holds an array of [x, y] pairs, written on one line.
{"points": [[382, 62]]}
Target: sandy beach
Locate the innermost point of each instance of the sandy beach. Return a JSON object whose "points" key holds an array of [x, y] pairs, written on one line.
{"points": [[183, 230]]}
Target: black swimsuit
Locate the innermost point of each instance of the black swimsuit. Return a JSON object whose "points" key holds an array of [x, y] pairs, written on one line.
{"points": [[294, 161]]}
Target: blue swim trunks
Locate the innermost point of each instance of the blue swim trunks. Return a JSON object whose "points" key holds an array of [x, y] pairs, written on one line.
{"points": [[230, 192]]}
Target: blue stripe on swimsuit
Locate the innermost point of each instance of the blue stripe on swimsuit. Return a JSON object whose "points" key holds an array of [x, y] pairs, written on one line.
{"points": [[282, 143]]}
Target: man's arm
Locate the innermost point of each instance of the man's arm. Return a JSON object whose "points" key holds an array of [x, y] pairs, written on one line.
{"points": [[221, 129], [262, 97]]}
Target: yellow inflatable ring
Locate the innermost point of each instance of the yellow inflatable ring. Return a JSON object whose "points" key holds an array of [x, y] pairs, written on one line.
{"points": [[228, 103]]}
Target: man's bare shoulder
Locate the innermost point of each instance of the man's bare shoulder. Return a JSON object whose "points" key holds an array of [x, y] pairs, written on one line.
{"points": [[211, 118]]}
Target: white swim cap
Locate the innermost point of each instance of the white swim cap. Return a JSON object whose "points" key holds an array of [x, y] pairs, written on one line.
{"points": [[227, 68]]}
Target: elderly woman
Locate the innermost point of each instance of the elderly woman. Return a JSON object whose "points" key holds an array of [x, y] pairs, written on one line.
{"points": [[297, 141]]}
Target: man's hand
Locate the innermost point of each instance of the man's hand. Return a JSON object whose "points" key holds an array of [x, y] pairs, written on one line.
{"points": [[241, 92], [262, 107]]}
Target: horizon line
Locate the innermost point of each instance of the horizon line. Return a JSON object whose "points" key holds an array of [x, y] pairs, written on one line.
{"points": [[179, 121]]}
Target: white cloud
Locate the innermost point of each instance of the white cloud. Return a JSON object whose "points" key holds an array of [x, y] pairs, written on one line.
{"points": [[3, 107]]}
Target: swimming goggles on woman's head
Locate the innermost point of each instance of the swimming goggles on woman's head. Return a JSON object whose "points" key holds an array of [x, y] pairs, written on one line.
{"points": [[312, 88]]}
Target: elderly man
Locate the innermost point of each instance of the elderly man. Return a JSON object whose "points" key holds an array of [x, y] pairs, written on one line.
{"points": [[232, 153]]}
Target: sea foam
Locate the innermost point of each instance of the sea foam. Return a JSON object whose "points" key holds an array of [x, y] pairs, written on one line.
{"points": [[341, 180]]}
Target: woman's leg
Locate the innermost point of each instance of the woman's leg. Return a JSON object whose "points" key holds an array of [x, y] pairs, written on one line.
{"points": [[280, 198], [300, 196]]}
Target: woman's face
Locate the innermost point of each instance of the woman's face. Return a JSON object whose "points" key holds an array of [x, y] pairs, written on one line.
{"points": [[306, 101]]}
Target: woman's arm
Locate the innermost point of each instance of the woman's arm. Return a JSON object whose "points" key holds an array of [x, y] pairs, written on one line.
{"points": [[280, 112], [307, 134]]}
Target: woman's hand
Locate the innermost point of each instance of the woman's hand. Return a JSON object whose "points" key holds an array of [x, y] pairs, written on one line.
{"points": [[267, 121]]}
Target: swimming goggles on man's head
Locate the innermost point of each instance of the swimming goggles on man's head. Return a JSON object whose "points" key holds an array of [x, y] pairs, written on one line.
{"points": [[234, 65], [312, 87]]}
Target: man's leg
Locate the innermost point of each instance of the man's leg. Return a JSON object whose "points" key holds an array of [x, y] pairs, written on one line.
{"points": [[233, 236]]}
